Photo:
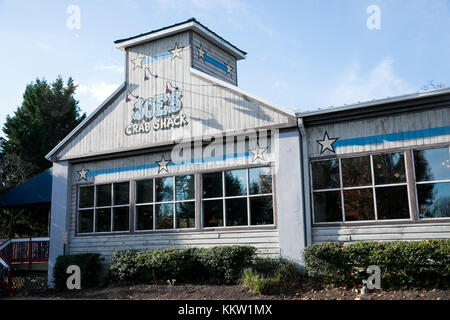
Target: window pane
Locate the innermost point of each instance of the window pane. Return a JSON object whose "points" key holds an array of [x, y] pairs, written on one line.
{"points": [[185, 215], [85, 221], [261, 210], [392, 202], [185, 187], [433, 164], [236, 212], [103, 220], [164, 189], [359, 205], [325, 174], [236, 183], [144, 191], [389, 168], [212, 185], [121, 219], [164, 216], [327, 206], [434, 200], [103, 195], [144, 215], [122, 193], [260, 180], [356, 172], [86, 197], [213, 213]]}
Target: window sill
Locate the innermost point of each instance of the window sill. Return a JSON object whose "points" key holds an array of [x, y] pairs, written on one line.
{"points": [[175, 231], [380, 223]]}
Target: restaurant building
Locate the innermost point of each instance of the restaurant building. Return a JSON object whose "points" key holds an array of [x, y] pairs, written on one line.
{"points": [[180, 156]]}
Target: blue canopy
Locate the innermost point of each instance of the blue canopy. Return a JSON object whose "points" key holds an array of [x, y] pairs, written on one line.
{"points": [[37, 190]]}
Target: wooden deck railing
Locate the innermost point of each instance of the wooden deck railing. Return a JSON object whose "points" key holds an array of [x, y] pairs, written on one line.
{"points": [[21, 250]]}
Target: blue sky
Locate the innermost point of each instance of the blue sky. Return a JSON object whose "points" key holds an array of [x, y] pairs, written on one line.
{"points": [[304, 54]]}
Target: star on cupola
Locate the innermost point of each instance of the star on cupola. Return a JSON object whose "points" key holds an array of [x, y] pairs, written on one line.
{"points": [[176, 52], [327, 143], [137, 62], [201, 53]]}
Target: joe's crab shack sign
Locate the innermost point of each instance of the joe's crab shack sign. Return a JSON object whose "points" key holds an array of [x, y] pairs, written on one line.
{"points": [[161, 112]]}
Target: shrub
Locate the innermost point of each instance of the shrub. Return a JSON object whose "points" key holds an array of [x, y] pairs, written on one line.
{"points": [[90, 267], [216, 264], [402, 263], [268, 275]]}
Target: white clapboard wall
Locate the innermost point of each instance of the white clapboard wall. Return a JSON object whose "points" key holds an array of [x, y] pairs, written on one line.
{"points": [[210, 109], [417, 231], [396, 124]]}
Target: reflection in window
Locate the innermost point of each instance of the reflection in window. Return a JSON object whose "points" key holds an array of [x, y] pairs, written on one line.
{"points": [[434, 200], [392, 202], [164, 216], [387, 181], [327, 206], [213, 213], [432, 164], [389, 168], [356, 172], [260, 180], [172, 207], [325, 174], [433, 182], [358, 204], [247, 192], [109, 214]]}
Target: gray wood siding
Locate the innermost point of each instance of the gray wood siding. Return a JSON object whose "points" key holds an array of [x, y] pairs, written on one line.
{"points": [[265, 241], [403, 123], [210, 109], [438, 230], [215, 53]]}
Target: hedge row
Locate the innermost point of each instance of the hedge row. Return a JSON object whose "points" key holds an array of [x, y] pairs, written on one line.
{"points": [[402, 263], [90, 267], [216, 264]]}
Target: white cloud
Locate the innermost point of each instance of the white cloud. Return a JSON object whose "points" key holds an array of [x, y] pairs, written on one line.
{"points": [[98, 91], [111, 67], [43, 46], [380, 82]]}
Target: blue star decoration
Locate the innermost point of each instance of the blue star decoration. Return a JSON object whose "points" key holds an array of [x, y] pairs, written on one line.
{"points": [[327, 143], [82, 174]]}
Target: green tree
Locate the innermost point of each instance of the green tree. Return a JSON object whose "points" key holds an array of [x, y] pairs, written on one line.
{"points": [[47, 114]]}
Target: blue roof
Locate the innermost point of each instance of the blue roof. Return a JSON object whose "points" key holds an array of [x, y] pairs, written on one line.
{"points": [[36, 190]]}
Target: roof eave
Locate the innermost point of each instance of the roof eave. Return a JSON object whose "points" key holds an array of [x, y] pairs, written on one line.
{"points": [[367, 104], [190, 25]]}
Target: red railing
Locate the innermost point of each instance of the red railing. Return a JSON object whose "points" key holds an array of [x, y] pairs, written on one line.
{"points": [[21, 250]]}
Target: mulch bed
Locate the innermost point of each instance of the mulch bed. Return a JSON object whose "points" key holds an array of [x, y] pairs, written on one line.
{"points": [[306, 290]]}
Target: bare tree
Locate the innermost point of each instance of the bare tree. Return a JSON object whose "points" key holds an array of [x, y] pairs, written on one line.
{"points": [[432, 85]]}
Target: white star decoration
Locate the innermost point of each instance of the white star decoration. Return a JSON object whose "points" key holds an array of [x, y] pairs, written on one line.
{"points": [[137, 62], [327, 143], [176, 52], [82, 174], [229, 69], [163, 165], [201, 53], [258, 153]]}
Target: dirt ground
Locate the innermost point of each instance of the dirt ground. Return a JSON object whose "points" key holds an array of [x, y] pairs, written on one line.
{"points": [[305, 291]]}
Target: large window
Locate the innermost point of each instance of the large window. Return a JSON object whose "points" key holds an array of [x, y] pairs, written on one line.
{"points": [[165, 203], [237, 198], [432, 170], [360, 188], [104, 208]]}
